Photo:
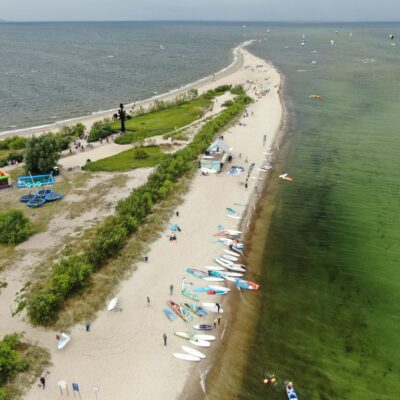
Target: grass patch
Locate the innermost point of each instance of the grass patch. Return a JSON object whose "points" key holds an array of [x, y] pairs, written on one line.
{"points": [[127, 160], [160, 122]]}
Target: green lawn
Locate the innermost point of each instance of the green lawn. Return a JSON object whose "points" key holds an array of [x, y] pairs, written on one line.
{"points": [[126, 161], [163, 121]]}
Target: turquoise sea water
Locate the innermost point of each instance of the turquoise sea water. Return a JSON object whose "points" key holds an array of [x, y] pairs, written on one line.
{"points": [[330, 313]]}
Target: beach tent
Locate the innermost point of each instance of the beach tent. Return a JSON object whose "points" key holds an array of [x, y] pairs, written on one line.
{"points": [[218, 146]]}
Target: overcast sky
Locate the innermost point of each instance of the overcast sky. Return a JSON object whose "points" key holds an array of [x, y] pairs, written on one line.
{"points": [[221, 10]]}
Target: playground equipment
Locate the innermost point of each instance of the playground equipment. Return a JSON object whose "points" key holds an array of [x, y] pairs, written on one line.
{"points": [[35, 181], [41, 196], [5, 179]]}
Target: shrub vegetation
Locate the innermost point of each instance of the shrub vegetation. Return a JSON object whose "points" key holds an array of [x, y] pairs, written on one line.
{"points": [[15, 227], [47, 298]]}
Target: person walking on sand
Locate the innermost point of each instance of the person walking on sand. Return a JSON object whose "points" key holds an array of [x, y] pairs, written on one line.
{"points": [[218, 307], [87, 326], [219, 320], [215, 324], [177, 213], [146, 259], [43, 381], [264, 139], [165, 339], [171, 289], [148, 301]]}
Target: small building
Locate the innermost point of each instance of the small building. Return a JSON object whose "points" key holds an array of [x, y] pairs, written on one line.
{"points": [[216, 155]]}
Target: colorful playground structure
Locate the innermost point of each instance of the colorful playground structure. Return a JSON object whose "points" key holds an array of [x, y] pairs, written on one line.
{"points": [[35, 181], [42, 196], [5, 179]]}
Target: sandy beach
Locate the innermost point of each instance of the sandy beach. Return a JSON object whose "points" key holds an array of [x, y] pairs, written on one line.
{"points": [[123, 355]]}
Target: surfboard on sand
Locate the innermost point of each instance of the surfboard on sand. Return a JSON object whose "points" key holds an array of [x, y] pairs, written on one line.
{"points": [[112, 304], [169, 313], [63, 341], [200, 343], [193, 352], [212, 307], [186, 357]]}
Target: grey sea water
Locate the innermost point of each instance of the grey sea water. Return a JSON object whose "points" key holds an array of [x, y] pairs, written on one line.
{"points": [[54, 71]]}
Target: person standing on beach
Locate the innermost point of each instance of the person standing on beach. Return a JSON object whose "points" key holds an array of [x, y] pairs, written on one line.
{"points": [[165, 339], [215, 323], [148, 301], [177, 213], [43, 381], [87, 326], [171, 289], [218, 307], [264, 140], [219, 320], [146, 259]]}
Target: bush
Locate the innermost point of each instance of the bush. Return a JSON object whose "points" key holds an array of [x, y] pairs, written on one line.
{"points": [[111, 236], [140, 154], [100, 130], [15, 227], [228, 103], [11, 361], [41, 154]]}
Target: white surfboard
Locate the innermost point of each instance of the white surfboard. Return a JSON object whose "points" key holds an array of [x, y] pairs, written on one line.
{"points": [[233, 274], [232, 253], [233, 232], [63, 341], [216, 287], [212, 268], [193, 352], [112, 304], [213, 279], [229, 257], [234, 216], [186, 357], [200, 343], [208, 338], [235, 268], [212, 307]]}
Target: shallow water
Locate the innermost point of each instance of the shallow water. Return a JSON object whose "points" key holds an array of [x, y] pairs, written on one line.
{"points": [[330, 312]]}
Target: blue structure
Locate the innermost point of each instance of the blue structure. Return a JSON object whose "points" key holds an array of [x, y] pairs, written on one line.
{"points": [[35, 181]]}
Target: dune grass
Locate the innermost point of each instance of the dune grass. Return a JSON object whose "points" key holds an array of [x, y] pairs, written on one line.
{"points": [[163, 121], [127, 160]]}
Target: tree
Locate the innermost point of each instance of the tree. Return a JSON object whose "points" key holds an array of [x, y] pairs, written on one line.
{"points": [[42, 154]]}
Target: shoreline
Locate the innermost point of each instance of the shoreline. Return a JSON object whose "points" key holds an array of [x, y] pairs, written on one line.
{"points": [[89, 119], [254, 228], [131, 342]]}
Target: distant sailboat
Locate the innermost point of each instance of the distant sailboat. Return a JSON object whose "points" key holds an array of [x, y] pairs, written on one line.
{"points": [[162, 47], [332, 42]]}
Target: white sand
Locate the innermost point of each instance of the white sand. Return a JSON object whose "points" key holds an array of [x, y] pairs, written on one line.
{"points": [[123, 354]]}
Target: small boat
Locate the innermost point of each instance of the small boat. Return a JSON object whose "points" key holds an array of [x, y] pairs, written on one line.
{"points": [[186, 357], [169, 313], [212, 307], [242, 284], [290, 391], [180, 311], [203, 327], [193, 352], [226, 275], [314, 97], [198, 310]]}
